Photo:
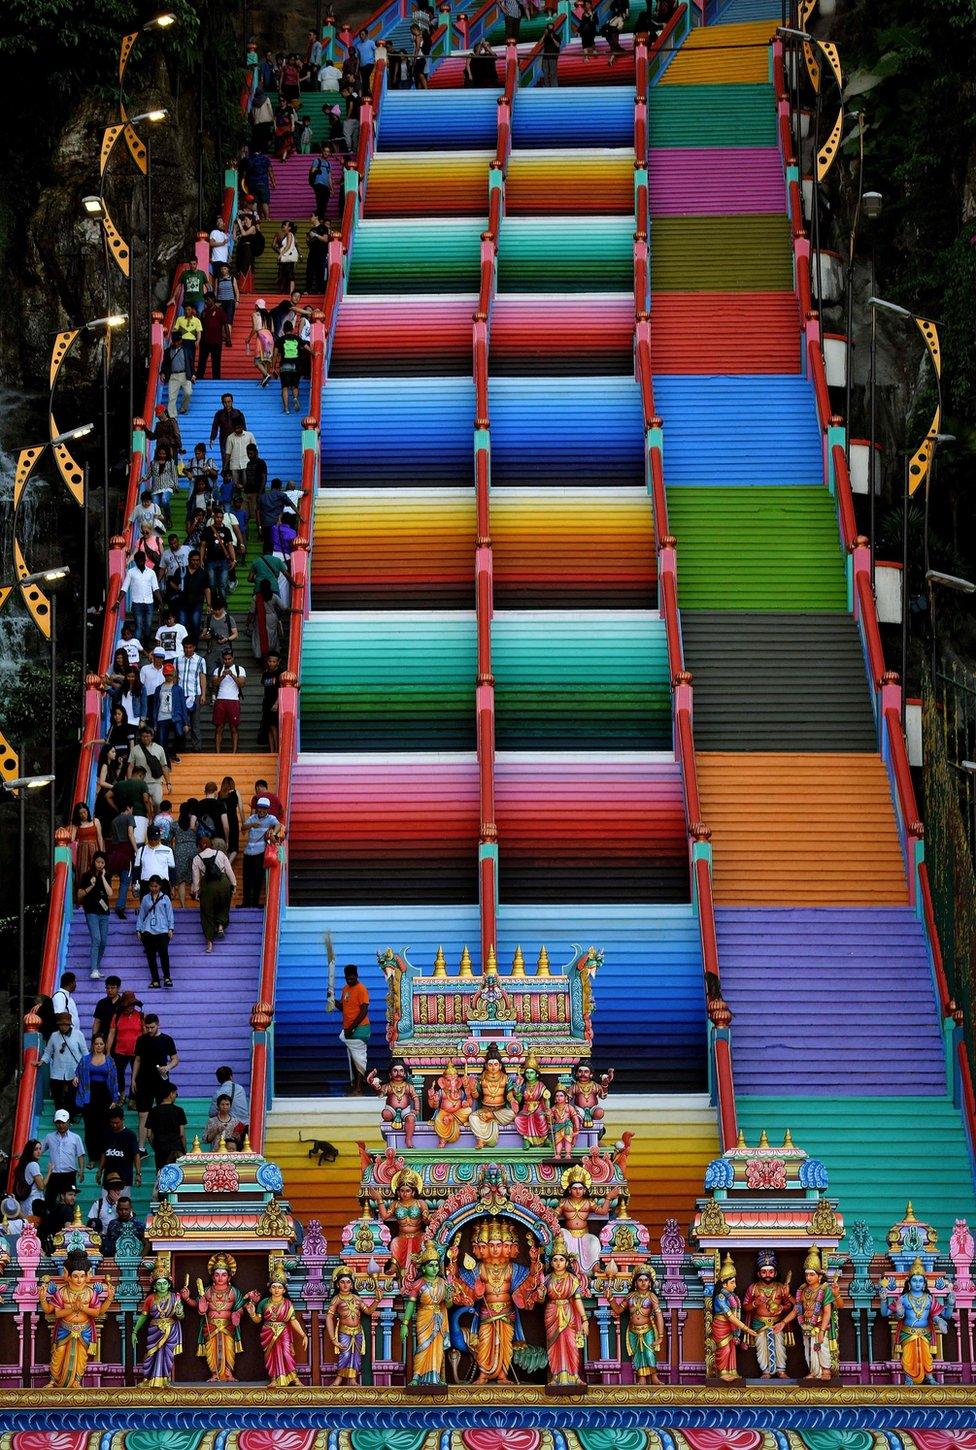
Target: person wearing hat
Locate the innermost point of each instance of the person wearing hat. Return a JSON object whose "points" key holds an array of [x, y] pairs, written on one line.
{"points": [[60, 1213], [768, 1306], [65, 1048], [168, 710], [258, 826], [66, 1156], [152, 758], [151, 674], [228, 692], [13, 1218], [102, 1211], [728, 1326], [166, 431]]}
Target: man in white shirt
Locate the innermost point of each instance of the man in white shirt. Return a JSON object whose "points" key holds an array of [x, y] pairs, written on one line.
{"points": [[151, 674], [141, 590], [219, 244], [172, 566], [63, 999], [228, 685], [170, 635], [235, 452], [155, 859], [191, 672]]}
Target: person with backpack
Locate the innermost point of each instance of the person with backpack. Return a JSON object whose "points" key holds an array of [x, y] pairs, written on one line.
{"points": [[63, 1000], [123, 1035], [214, 883], [320, 180], [288, 365]]}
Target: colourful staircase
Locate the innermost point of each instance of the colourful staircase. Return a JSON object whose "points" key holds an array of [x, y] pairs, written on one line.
{"points": [[836, 1029]]}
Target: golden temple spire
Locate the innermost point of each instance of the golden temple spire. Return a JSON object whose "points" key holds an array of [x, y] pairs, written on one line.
{"points": [[518, 963], [788, 1139], [763, 1139], [910, 1213], [542, 965], [196, 1144], [492, 963], [466, 963], [740, 1141], [440, 965]]}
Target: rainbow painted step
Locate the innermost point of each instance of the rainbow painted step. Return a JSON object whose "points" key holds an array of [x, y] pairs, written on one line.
{"points": [[738, 431], [711, 115], [715, 180], [721, 254]]}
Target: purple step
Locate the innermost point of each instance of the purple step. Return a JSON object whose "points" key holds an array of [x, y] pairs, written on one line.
{"points": [[833, 1001], [715, 180], [294, 198], [207, 1010]]}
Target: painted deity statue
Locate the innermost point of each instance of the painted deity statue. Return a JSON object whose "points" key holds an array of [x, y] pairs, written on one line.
{"points": [[565, 1123], [448, 1096], [401, 1104], [496, 1288], [815, 1311], [344, 1327], [645, 1325], [162, 1313], [922, 1317], [531, 1101], [574, 1210], [728, 1326], [427, 1307], [588, 1094], [408, 1214], [490, 1090], [565, 1318], [768, 1307], [220, 1306], [76, 1302], [281, 1330]]}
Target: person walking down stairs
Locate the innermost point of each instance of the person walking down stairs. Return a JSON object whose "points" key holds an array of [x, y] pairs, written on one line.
{"points": [[214, 883]]}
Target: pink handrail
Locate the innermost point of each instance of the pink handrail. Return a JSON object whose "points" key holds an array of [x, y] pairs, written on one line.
{"points": [[868, 615], [845, 498], [928, 912]]}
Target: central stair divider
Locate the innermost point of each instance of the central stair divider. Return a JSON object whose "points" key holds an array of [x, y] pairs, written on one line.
{"points": [[484, 584], [699, 835], [276, 859]]}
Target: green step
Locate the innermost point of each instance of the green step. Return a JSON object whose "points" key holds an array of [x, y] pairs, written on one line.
{"points": [[566, 254], [265, 271], [196, 1110], [721, 254], [407, 256], [766, 548], [716, 115], [239, 600], [313, 104], [880, 1152]]}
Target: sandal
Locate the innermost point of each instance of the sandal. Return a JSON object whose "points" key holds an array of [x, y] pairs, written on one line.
{"points": [[154, 986], [167, 981]]}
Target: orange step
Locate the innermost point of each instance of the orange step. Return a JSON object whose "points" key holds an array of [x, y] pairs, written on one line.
{"points": [[194, 770], [801, 830]]}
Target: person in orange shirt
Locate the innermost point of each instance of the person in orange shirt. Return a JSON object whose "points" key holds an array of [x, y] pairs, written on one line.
{"points": [[354, 1002]]}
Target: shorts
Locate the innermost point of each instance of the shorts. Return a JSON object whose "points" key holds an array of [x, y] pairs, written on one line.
{"points": [[261, 193], [151, 1095], [288, 377], [227, 712]]}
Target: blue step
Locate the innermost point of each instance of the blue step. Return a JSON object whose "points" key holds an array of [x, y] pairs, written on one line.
{"points": [[406, 431], [309, 1058], [449, 120], [278, 435], [731, 432], [574, 116], [567, 429]]}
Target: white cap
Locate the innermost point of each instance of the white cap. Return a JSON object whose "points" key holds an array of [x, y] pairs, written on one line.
{"points": [[263, 800], [62, 1116], [261, 302]]}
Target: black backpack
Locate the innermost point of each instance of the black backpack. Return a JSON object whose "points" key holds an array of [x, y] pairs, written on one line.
{"points": [[211, 871]]}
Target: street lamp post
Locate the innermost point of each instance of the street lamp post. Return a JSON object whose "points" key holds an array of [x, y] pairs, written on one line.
{"points": [[935, 579], [21, 786], [969, 767], [872, 210]]}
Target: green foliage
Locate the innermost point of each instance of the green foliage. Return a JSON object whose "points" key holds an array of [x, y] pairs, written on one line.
{"points": [[25, 709]]}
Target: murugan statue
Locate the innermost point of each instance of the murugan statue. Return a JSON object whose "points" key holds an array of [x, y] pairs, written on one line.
{"points": [[728, 1326], [220, 1306], [574, 1210], [401, 1105], [921, 1318], [497, 1287], [565, 1318], [344, 1327], [768, 1306], [428, 1304], [531, 1101], [815, 1310], [407, 1214], [162, 1312], [281, 1330], [448, 1096], [76, 1302], [589, 1092], [490, 1089], [645, 1325]]}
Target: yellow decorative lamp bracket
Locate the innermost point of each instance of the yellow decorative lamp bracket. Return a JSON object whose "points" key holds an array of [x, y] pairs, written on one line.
{"points": [[36, 600]]}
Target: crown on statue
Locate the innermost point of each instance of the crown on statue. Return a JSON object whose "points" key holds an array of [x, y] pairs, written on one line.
{"points": [[497, 1231]]}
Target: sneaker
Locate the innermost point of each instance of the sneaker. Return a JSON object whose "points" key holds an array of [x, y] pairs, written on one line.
{"points": [[154, 986], [95, 976], [167, 982], [265, 381]]}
